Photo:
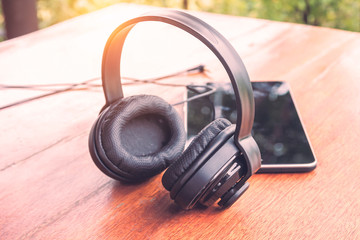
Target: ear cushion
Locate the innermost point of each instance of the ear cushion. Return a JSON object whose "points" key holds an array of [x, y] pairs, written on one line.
{"points": [[140, 136], [196, 147]]}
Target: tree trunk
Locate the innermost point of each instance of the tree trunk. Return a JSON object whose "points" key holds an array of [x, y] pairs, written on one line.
{"points": [[20, 17], [306, 12], [185, 4]]}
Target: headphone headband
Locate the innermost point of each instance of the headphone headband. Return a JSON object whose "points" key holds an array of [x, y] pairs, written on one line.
{"points": [[227, 55]]}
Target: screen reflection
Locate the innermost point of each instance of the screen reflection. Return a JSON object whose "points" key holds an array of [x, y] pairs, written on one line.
{"points": [[277, 127]]}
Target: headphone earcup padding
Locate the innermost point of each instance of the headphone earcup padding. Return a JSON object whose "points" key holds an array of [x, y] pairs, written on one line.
{"points": [[140, 136], [196, 147]]}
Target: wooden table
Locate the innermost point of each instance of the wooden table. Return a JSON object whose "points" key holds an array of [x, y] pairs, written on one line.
{"points": [[50, 188]]}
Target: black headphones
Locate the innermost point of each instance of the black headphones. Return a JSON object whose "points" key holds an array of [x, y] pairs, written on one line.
{"points": [[137, 137]]}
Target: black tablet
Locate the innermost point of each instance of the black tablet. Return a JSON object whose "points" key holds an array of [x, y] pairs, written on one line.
{"points": [[277, 128]]}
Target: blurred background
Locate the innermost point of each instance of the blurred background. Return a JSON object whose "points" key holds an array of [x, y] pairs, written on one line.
{"points": [[18, 17]]}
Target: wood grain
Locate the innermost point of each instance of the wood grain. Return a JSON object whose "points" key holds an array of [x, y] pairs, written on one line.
{"points": [[50, 189]]}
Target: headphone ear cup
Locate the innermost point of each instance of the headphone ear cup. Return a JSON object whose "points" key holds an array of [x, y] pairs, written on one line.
{"points": [[190, 155], [138, 137]]}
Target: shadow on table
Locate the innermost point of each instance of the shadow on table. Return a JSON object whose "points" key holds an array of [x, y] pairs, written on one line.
{"points": [[146, 209]]}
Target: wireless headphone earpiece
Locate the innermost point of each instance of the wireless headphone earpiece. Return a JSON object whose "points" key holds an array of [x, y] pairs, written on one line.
{"points": [[137, 137], [192, 153]]}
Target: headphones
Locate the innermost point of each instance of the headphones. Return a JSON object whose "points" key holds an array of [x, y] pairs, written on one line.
{"points": [[137, 137]]}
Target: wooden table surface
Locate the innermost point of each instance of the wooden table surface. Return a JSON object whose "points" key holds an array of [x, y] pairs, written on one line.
{"points": [[50, 188]]}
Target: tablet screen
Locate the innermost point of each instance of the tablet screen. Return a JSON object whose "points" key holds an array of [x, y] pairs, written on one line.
{"points": [[277, 128]]}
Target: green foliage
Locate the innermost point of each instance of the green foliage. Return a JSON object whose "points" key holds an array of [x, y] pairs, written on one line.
{"points": [[343, 14]]}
